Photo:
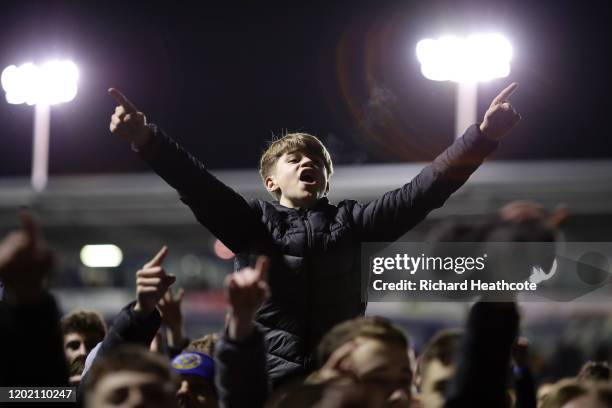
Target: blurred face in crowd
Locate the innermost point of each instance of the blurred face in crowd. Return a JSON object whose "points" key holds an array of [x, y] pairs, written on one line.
{"points": [[131, 389], [386, 365], [301, 178], [355, 395], [436, 377], [195, 392], [543, 391], [77, 346], [585, 401]]}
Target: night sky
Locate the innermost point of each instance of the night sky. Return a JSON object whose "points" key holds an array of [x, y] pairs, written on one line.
{"points": [[223, 79]]}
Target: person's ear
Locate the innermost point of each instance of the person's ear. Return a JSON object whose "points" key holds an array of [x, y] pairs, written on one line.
{"points": [[271, 185]]}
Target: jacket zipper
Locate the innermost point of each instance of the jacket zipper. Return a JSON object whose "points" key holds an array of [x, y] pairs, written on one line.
{"points": [[308, 232], [308, 277]]}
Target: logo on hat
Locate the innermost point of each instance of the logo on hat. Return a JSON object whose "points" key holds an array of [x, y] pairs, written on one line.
{"points": [[187, 361]]}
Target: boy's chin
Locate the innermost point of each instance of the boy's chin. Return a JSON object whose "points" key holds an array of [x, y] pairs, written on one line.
{"points": [[306, 199], [309, 198]]}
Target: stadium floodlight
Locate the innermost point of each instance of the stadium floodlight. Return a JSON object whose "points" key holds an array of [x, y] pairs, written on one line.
{"points": [[101, 256], [49, 84], [466, 61]]}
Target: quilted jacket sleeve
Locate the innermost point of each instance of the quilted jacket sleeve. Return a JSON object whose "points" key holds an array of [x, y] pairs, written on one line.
{"points": [[396, 212], [215, 205]]}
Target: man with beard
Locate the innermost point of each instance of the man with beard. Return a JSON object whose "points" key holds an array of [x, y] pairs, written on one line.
{"points": [[82, 330]]}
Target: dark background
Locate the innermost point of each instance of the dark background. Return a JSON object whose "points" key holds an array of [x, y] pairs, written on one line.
{"points": [[222, 78]]}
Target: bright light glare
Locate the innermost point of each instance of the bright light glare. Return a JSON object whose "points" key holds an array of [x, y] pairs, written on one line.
{"points": [[479, 57], [101, 256], [51, 83]]}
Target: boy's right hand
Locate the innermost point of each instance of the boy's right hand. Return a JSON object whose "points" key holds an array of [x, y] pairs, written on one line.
{"points": [[127, 121]]}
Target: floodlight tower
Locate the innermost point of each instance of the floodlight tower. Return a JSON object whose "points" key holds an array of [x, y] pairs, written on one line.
{"points": [[466, 61], [49, 84]]}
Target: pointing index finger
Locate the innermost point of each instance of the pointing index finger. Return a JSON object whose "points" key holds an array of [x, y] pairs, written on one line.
{"points": [[505, 94], [158, 259], [122, 100]]}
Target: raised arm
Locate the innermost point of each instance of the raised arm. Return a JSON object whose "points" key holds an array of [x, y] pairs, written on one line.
{"points": [[172, 317], [396, 212], [241, 378], [216, 206], [30, 334], [138, 321], [481, 379], [524, 383]]}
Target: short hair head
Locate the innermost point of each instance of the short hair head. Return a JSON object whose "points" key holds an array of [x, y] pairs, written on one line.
{"points": [[292, 142], [595, 371], [130, 357], [437, 366], [86, 322], [570, 389], [205, 344], [372, 327], [443, 346]]}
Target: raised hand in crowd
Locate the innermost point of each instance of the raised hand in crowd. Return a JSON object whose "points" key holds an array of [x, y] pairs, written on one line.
{"points": [[127, 122], [136, 323], [152, 282], [241, 377], [25, 262], [338, 368], [172, 317], [528, 211], [28, 312], [501, 117], [247, 291]]}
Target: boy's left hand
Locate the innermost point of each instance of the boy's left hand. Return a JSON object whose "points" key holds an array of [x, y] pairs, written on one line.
{"points": [[501, 117]]}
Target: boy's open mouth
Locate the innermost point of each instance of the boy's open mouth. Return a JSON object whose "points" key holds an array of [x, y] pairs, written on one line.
{"points": [[307, 177]]}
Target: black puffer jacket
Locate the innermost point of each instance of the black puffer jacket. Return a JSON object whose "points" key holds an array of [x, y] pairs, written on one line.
{"points": [[315, 273]]}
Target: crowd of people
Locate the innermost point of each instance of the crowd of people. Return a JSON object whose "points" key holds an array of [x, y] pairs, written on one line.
{"points": [[295, 333]]}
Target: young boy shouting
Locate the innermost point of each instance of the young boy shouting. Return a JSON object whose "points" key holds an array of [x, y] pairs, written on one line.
{"points": [[314, 246]]}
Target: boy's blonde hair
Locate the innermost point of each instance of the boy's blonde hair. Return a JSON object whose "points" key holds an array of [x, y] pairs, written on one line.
{"points": [[292, 142]]}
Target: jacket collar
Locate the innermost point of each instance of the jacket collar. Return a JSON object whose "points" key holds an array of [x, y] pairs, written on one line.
{"points": [[322, 202]]}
